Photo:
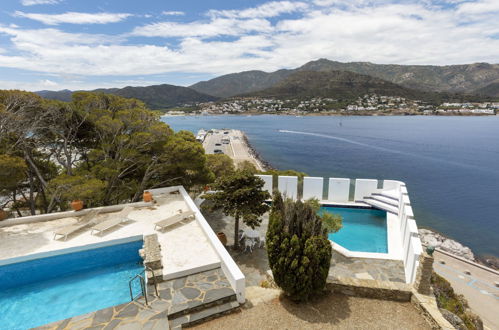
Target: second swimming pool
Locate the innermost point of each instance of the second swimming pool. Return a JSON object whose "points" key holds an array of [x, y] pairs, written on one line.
{"points": [[364, 230]]}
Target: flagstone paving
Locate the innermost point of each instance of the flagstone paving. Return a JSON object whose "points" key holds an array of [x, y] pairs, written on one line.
{"points": [[367, 268], [177, 297]]}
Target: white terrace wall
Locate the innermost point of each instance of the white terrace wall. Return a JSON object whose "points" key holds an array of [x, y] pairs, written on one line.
{"points": [[339, 190], [364, 188], [268, 182], [232, 272], [391, 184], [288, 186], [312, 188]]}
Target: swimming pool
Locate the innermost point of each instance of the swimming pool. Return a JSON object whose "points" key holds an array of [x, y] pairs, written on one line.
{"points": [[364, 230], [45, 290]]}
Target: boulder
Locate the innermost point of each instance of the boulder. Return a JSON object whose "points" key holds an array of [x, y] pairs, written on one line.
{"points": [[429, 237], [453, 319]]}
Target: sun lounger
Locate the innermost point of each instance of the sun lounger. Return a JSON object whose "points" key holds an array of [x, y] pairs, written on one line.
{"points": [[173, 220], [108, 224], [85, 221]]}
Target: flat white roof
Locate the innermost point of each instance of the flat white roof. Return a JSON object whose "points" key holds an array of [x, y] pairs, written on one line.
{"points": [[184, 247]]}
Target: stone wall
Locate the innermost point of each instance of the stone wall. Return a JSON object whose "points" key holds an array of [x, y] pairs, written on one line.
{"points": [[371, 289], [151, 253], [427, 305], [423, 275]]}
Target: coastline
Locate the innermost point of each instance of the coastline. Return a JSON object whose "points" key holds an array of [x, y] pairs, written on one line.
{"points": [[333, 114], [265, 165], [428, 236]]}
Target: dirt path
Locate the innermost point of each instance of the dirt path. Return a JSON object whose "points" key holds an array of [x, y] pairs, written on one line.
{"points": [[333, 311]]}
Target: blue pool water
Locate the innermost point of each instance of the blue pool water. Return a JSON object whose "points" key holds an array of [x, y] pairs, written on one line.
{"points": [[46, 290], [364, 230]]}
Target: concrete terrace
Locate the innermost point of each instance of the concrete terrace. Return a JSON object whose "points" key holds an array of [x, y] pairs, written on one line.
{"points": [[185, 249], [200, 279]]}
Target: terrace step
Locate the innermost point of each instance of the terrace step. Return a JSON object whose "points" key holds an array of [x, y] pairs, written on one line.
{"points": [[381, 205], [203, 315], [392, 194], [386, 200], [196, 297]]}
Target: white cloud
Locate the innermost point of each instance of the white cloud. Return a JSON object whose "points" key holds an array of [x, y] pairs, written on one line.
{"points": [[173, 13], [215, 27], [39, 2], [74, 17], [269, 9], [479, 7], [48, 83], [402, 33]]}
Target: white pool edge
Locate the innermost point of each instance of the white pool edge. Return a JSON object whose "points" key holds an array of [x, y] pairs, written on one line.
{"points": [[73, 249], [392, 235]]}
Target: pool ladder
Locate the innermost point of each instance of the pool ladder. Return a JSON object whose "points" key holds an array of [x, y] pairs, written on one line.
{"points": [[143, 287]]}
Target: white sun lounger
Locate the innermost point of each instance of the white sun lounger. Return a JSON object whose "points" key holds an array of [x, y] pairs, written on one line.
{"points": [[173, 219], [85, 221], [108, 224]]}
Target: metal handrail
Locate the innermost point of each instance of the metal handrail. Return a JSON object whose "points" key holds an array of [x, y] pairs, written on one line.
{"points": [[153, 278], [143, 286]]}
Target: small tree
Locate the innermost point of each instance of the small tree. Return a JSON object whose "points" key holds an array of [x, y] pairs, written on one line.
{"points": [[66, 188], [240, 195], [298, 248], [248, 166], [220, 164]]}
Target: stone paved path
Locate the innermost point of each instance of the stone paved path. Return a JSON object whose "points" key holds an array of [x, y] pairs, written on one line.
{"points": [[132, 316], [367, 269], [176, 297]]}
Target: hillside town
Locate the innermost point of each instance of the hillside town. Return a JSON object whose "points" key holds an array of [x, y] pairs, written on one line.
{"points": [[369, 104]]}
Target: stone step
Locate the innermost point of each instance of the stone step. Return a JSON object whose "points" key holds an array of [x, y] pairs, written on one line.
{"points": [[203, 315], [196, 305], [386, 200], [381, 205]]}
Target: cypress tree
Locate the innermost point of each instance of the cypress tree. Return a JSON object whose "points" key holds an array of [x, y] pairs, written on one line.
{"points": [[298, 248]]}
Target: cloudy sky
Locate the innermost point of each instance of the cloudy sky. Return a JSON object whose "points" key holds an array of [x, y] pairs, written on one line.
{"points": [[76, 44]]}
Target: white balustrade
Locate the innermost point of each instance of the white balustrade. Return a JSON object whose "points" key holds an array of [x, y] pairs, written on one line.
{"points": [[288, 186], [364, 188], [268, 182], [339, 190], [313, 187]]}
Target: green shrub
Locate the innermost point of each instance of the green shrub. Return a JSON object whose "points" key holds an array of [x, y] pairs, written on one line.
{"points": [[299, 251], [454, 303]]}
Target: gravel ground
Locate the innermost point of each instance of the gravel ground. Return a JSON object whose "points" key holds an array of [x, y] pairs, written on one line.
{"points": [[333, 311]]}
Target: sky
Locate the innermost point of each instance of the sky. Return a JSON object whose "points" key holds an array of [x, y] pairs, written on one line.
{"points": [[87, 44]]}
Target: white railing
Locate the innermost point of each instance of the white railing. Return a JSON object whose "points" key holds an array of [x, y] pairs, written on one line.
{"points": [[232, 272], [339, 192]]}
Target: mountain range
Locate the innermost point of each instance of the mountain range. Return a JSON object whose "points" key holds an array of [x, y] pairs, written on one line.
{"points": [[474, 78], [155, 97], [347, 85], [468, 82]]}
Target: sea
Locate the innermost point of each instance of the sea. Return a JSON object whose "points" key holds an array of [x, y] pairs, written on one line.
{"points": [[449, 164]]}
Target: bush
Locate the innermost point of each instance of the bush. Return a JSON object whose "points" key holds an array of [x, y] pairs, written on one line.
{"points": [[447, 299], [298, 249]]}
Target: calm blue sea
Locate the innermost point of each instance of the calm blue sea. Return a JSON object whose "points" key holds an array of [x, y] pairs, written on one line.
{"points": [[450, 164]]}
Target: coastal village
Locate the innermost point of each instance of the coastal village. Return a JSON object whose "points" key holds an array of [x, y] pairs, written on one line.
{"points": [[369, 104]]}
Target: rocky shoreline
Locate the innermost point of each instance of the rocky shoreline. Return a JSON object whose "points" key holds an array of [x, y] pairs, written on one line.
{"points": [[429, 237], [263, 163]]}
